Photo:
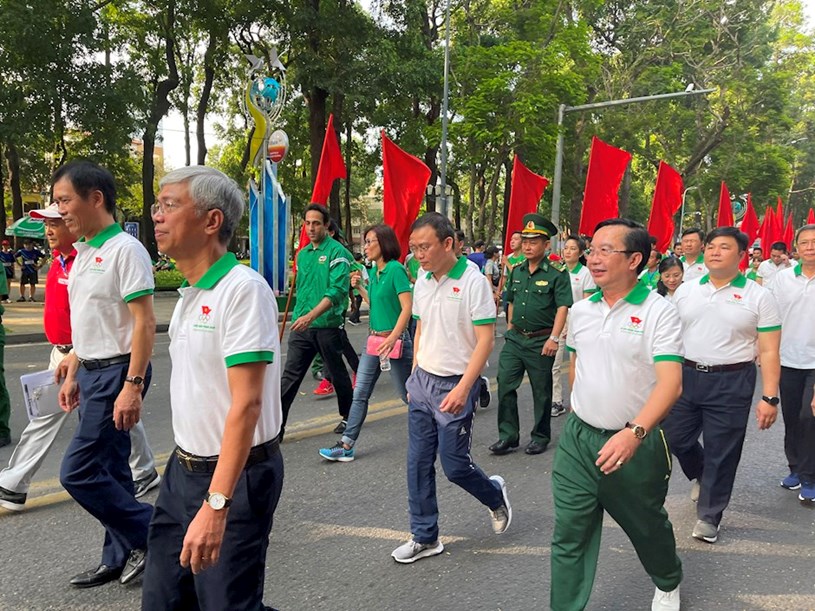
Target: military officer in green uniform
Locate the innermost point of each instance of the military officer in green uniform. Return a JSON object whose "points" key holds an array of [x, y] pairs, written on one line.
{"points": [[539, 297]]}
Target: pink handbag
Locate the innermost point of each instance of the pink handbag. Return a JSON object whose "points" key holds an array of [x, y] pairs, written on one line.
{"points": [[375, 341]]}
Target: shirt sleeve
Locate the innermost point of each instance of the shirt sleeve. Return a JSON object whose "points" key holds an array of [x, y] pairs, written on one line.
{"points": [[482, 306], [401, 282], [588, 283], [667, 344], [563, 290], [135, 272], [508, 286], [249, 329], [768, 318], [339, 281]]}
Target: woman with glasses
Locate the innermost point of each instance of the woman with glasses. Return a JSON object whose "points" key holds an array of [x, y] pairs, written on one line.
{"points": [[390, 302]]}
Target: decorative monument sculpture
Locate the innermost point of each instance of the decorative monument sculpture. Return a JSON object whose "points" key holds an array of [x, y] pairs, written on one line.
{"points": [[269, 209]]}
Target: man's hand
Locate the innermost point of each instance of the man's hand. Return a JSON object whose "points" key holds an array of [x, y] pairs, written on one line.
{"points": [[549, 348], [69, 395], [765, 415], [127, 407], [813, 403], [356, 279], [202, 543], [455, 400], [302, 323], [617, 451]]}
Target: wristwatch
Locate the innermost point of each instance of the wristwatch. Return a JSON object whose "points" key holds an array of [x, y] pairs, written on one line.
{"points": [[774, 401], [137, 380], [554, 338], [217, 501], [638, 430]]}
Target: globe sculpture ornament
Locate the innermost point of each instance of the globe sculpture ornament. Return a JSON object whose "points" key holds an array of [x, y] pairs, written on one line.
{"points": [[269, 209], [739, 206]]}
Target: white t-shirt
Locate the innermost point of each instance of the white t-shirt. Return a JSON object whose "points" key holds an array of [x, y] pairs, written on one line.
{"points": [[582, 282], [721, 326], [795, 295], [616, 350], [449, 310], [228, 318], [767, 270], [694, 269], [110, 270]]}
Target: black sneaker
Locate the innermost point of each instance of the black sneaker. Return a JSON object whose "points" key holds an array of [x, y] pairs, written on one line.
{"points": [[484, 396], [340, 428], [21, 300], [558, 410], [146, 483], [13, 501]]}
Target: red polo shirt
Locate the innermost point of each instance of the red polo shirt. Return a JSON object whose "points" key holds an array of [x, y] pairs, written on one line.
{"points": [[57, 313]]}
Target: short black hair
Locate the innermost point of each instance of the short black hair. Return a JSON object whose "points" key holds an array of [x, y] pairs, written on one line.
{"points": [[318, 208], [86, 176], [479, 243], [695, 230], [730, 232], [490, 251], [581, 243], [388, 242], [440, 224], [636, 240], [782, 246], [664, 265], [758, 248], [517, 231], [653, 241], [460, 235]]}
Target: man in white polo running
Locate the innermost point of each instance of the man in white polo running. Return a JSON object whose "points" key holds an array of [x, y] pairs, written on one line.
{"points": [[454, 337]]}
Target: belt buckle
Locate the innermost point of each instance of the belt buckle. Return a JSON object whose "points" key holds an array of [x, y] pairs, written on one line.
{"points": [[186, 459], [702, 367]]}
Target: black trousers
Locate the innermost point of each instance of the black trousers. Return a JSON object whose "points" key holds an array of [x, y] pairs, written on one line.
{"points": [[350, 354], [236, 582], [799, 423], [303, 347], [717, 406]]}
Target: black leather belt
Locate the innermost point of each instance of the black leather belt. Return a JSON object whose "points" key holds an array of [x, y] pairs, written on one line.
{"points": [[64, 348], [102, 363], [538, 333], [702, 368], [207, 464]]}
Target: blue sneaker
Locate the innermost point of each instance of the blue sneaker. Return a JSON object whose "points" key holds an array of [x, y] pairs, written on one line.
{"points": [[807, 494], [791, 482], [337, 453]]}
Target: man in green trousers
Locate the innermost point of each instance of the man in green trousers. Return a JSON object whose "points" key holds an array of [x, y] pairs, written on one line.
{"points": [[539, 296], [626, 349]]}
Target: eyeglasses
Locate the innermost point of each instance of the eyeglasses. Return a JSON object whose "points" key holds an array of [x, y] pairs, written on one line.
{"points": [[369, 242], [604, 252], [166, 207], [414, 248]]}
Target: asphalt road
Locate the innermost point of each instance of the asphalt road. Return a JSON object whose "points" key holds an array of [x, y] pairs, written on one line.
{"points": [[338, 522]]}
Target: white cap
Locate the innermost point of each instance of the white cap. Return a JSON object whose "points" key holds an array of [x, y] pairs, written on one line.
{"points": [[51, 212]]}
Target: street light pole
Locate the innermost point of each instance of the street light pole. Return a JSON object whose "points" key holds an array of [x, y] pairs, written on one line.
{"points": [[682, 213], [444, 107], [563, 109]]}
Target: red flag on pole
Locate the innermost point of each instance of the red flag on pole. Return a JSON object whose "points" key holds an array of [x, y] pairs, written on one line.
{"points": [[777, 234], [527, 189], [331, 165], [725, 208], [749, 226], [607, 166], [405, 179], [764, 232], [779, 210], [811, 217], [789, 232], [667, 200]]}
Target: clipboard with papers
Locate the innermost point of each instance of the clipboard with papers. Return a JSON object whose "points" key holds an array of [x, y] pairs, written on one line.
{"points": [[41, 394]]}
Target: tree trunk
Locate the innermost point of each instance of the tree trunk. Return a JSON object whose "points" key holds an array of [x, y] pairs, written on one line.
{"points": [[13, 158], [471, 203], [431, 198], [316, 126], [3, 219], [159, 107], [334, 205], [349, 132], [187, 144], [456, 203], [486, 195], [206, 92], [625, 192], [507, 194]]}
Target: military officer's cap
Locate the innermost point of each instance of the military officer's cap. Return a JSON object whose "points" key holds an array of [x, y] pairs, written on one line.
{"points": [[537, 225]]}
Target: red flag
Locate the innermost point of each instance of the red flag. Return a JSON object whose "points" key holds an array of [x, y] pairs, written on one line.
{"points": [[811, 217], [779, 210], [331, 165], [607, 166], [789, 232], [527, 189], [667, 200], [725, 208], [777, 228], [750, 226], [766, 231], [405, 179], [302, 243]]}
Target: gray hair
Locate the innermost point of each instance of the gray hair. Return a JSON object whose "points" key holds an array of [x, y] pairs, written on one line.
{"points": [[211, 189], [809, 227]]}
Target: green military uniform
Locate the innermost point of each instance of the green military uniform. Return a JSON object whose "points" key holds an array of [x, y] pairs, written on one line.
{"points": [[535, 296]]}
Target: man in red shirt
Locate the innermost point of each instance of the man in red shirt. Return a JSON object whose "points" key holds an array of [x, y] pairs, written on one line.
{"points": [[39, 435]]}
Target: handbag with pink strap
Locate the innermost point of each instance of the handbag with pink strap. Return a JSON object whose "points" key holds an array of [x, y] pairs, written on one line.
{"points": [[375, 341]]}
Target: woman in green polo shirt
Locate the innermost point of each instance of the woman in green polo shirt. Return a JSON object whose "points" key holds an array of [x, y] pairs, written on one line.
{"points": [[390, 301]]}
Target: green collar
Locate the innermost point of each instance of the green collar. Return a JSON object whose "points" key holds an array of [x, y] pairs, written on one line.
{"points": [[635, 296], [322, 244], [217, 270], [798, 270], [699, 259], [576, 269], [739, 281], [103, 236], [457, 271]]}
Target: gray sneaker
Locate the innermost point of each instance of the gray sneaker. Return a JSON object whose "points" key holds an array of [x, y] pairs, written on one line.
{"points": [[413, 551], [558, 410], [501, 517], [144, 485], [704, 531], [13, 501]]}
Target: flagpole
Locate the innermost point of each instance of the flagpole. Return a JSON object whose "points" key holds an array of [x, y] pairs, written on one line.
{"points": [[444, 108]]}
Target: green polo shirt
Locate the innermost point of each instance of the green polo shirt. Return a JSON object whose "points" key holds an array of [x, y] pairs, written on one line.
{"points": [[323, 271], [385, 287], [513, 261], [536, 297], [413, 267]]}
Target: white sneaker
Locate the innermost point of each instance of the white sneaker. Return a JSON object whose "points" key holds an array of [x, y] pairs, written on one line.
{"points": [[501, 517], [413, 551], [665, 601]]}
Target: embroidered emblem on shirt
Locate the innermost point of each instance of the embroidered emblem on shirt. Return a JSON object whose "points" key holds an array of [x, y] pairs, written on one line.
{"points": [[541, 283], [96, 266], [322, 259], [735, 298], [205, 311], [455, 294], [634, 326], [204, 318]]}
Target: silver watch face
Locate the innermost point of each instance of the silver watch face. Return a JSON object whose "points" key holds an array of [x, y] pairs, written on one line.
{"points": [[217, 500]]}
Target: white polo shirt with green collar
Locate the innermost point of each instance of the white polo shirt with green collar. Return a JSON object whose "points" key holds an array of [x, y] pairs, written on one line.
{"points": [[449, 310], [721, 326], [795, 295], [227, 318], [582, 282], [110, 270], [694, 269], [616, 350]]}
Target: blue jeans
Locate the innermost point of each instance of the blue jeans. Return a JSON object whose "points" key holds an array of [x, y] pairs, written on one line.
{"points": [[367, 375]]}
